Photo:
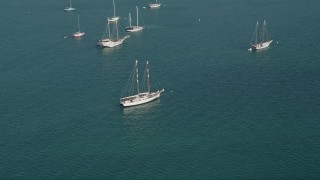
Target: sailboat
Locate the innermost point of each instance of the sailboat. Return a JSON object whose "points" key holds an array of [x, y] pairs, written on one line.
{"points": [[111, 41], [154, 5], [114, 18], [260, 38], [78, 33], [134, 28], [70, 8], [140, 97]]}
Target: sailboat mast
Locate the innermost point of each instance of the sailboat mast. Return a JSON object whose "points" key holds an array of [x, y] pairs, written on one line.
{"points": [[117, 30], [263, 39], [257, 26], [109, 36], [78, 23], [70, 4], [129, 19], [114, 9], [148, 74], [137, 16], [137, 76]]}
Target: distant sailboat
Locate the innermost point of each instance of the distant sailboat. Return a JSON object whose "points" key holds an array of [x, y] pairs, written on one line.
{"points": [[70, 8], [114, 18], [78, 33], [134, 28], [140, 97], [260, 38], [112, 41], [154, 5]]}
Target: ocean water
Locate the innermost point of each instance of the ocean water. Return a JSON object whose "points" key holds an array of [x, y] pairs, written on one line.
{"points": [[225, 114]]}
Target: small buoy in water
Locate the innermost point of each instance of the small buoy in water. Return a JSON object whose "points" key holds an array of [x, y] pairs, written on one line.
{"points": [[199, 19], [277, 42], [65, 37], [143, 7]]}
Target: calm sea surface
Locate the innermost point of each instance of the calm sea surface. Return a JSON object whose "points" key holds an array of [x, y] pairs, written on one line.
{"points": [[225, 114]]}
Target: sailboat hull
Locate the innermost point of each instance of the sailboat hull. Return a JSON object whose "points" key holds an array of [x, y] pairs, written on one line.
{"points": [[111, 43], [113, 19], [70, 9], [261, 45], [78, 34], [134, 28], [154, 5], [142, 98]]}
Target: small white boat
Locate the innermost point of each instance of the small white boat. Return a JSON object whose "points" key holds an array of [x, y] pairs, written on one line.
{"points": [[154, 5], [78, 33], [70, 8], [140, 97], [261, 38], [134, 28], [114, 18]]}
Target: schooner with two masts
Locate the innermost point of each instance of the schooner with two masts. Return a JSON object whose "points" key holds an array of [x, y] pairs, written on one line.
{"points": [[112, 40], [140, 97], [260, 38]]}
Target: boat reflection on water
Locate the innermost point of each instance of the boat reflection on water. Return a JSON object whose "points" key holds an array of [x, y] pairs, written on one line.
{"points": [[141, 110], [107, 51]]}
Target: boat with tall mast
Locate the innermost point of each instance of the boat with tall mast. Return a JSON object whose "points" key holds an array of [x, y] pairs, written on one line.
{"points": [[114, 17], [140, 97], [260, 38], [134, 28], [112, 40], [154, 5], [70, 8], [78, 33]]}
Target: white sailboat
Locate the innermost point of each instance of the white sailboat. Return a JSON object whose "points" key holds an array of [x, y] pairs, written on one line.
{"points": [[154, 5], [134, 28], [78, 33], [70, 8], [260, 38], [112, 41], [140, 97], [114, 18]]}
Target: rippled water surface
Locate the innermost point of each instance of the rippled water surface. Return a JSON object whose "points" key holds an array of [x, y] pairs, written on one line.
{"points": [[225, 114]]}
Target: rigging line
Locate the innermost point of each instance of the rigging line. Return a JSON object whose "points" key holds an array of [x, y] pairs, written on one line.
{"points": [[144, 80], [132, 88], [141, 19], [253, 35], [128, 83], [157, 82], [104, 32], [122, 30], [155, 79]]}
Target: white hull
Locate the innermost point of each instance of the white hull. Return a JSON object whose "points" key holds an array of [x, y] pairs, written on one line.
{"points": [[157, 5], [111, 43], [69, 9], [261, 45], [113, 19], [78, 34], [141, 98], [134, 28]]}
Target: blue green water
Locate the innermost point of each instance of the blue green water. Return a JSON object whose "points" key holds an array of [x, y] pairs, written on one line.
{"points": [[226, 113]]}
